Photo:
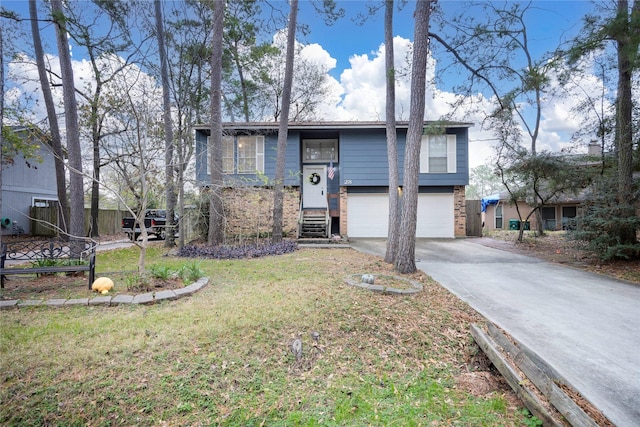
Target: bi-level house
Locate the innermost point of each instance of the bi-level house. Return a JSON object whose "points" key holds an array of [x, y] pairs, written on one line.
{"points": [[337, 174]]}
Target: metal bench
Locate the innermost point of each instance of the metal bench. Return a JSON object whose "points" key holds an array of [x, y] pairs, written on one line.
{"points": [[47, 256]]}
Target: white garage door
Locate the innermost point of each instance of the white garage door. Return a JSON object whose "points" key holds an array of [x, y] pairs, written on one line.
{"points": [[435, 215], [368, 215]]}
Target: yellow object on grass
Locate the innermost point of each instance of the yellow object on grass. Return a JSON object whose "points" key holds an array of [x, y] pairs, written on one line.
{"points": [[102, 285]]}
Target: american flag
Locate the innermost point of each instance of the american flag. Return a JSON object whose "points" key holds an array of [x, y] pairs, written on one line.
{"points": [[332, 171]]}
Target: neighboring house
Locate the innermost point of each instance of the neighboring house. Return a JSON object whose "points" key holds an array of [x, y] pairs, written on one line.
{"points": [[338, 171], [559, 213], [501, 214], [26, 183]]}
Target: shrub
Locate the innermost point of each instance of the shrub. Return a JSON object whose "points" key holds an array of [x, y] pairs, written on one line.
{"points": [[608, 226], [238, 252], [45, 262], [137, 283], [161, 271], [189, 273]]}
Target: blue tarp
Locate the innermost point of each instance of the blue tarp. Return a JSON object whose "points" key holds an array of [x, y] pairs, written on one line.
{"points": [[489, 200]]}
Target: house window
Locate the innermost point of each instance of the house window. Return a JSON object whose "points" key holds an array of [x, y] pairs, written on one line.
{"points": [[569, 214], [228, 154], [548, 217], [498, 217], [438, 154], [241, 154], [250, 154], [320, 150], [43, 203]]}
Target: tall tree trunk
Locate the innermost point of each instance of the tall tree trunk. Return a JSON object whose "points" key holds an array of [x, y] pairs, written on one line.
{"points": [[56, 144], [97, 165], [170, 239], [627, 53], [1, 113], [76, 188], [392, 141], [216, 232], [405, 260], [283, 128]]}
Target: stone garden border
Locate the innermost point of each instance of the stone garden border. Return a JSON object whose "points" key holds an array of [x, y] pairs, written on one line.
{"points": [[356, 280], [102, 300]]}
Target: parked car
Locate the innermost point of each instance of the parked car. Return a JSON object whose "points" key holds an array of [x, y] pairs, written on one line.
{"points": [[155, 221]]}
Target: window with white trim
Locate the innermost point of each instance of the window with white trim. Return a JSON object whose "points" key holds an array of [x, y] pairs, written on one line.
{"points": [[228, 154], [241, 154], [39, 202], [438, 154], [320, 150]]}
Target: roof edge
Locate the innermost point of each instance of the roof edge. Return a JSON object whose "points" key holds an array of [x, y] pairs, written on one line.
{"points": [[332, 125]]}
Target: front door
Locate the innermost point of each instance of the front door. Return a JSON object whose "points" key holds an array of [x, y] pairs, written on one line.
{"points": [[314, 186]]}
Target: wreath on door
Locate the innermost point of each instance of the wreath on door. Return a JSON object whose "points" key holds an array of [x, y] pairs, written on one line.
{"points": [[314, 178]]}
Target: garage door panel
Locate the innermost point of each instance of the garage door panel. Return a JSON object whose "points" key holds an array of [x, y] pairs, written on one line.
{"points": [[435, 215], [368, 215]]}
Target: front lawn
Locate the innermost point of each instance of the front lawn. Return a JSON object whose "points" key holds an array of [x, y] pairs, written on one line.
{"points": [[223, 356]]}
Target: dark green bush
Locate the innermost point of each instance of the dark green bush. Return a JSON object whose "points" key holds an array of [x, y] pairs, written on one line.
{"points": [[609, 226]]}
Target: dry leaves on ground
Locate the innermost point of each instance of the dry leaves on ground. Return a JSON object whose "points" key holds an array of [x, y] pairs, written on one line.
{"points": [[557, 248]]}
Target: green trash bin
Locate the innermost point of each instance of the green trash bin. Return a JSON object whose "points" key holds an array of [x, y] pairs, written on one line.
{"points": [[514, 224]]}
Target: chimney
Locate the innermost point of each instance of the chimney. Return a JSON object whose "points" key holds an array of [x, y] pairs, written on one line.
{"points": [[594, 148]]}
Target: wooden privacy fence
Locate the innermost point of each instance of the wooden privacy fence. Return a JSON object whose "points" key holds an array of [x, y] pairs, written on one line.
{"points": [[474, 218], [44, 222]]}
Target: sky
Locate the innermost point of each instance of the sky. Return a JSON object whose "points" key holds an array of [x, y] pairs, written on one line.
{"points": [[550, 21], [353, 54]]}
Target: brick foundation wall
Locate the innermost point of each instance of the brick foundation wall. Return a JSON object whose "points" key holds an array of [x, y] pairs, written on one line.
{"points": [[343, 211], [249, 211], [459, 212]]}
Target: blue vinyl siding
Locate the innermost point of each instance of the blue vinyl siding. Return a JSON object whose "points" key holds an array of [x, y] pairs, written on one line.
{"points": [[25, 180], [292, 171], [292, 163], [461, 177], [362, 159]]}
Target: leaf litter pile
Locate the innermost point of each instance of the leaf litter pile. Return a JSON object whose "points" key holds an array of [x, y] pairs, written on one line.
{"points": [[224, 355]]}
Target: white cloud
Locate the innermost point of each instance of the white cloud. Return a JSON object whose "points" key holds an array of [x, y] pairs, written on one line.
{"points": [[24, 80], [362, 93], [319, 55]]}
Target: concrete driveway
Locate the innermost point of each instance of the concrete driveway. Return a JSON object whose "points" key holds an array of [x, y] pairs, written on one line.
{"points": [[584, 325]]}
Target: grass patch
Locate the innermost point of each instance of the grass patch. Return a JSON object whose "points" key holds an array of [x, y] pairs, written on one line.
{"points": [[223, 356]]}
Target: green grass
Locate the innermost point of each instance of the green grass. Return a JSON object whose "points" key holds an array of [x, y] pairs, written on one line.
{"points": [[222, 356]]}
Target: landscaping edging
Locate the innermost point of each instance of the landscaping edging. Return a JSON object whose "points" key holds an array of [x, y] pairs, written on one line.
{"points": [[146, 298], [353, 280]]}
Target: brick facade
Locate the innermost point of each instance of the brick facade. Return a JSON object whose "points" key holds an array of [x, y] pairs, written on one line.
{"points": [[459, 212], [249, 211], [343, 211]]}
